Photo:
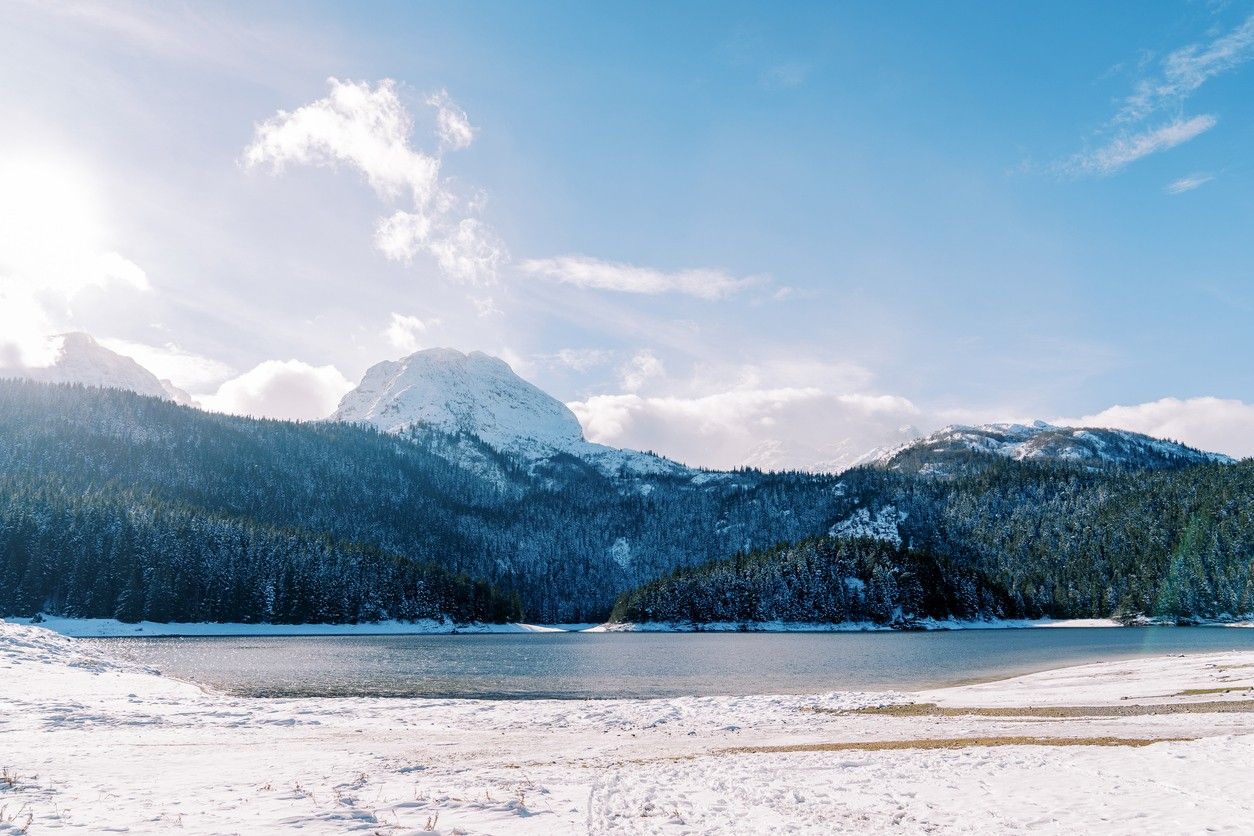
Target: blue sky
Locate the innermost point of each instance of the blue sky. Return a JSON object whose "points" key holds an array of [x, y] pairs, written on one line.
{"points": [[729, 232]]}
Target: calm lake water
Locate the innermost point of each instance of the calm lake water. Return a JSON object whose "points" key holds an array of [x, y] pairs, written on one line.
{"points": [[602, 665]]}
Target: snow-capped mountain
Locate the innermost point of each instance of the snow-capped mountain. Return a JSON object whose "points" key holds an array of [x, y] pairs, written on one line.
{"points": [[446, 390], [950, 450], [80, 359]]}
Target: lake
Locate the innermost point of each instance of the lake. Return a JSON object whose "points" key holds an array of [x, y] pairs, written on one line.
{"points": [[608, 665]]}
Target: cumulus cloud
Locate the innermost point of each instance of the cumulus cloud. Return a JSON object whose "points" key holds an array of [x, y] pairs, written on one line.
{"points": [[1129, 148], [406, 332], [1188, 184], [1215, 424], [286, 389], [587, 272], [368, 128], [775, 414], [772, 428]]}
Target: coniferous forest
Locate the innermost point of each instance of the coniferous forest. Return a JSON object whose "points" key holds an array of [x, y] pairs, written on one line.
{"points": [[112, 504]]}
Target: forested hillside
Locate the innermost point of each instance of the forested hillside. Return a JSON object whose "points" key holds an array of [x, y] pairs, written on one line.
{"points": [[1008, 539], [116, 504], [562, 537], [819, 581], [134, 560]]}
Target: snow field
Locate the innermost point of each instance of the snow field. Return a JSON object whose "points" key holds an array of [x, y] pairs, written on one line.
{"points": [[92, 745]]}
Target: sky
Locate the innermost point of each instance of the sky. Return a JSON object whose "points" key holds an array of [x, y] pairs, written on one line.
{"points": [[731, 233]]}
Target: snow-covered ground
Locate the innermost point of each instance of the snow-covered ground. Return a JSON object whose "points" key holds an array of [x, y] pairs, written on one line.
{"points": [[109, 627], [112, 628], [92, 744], [844, 626]]}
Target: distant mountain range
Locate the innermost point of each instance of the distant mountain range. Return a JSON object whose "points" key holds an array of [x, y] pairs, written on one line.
{"points": [[958, 448], [479, 395], [118, 505]]}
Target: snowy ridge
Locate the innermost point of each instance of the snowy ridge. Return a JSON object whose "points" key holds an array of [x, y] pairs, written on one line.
{"points": [[942, 452], [446, 390], [80, 359]]}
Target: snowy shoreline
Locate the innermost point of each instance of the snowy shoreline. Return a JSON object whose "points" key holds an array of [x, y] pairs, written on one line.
{"points": [[100, 628], [111, 628], [923, 625], [1154, 744]]}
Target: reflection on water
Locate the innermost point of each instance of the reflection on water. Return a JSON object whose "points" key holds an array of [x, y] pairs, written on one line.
{"points": [[603, 665]]}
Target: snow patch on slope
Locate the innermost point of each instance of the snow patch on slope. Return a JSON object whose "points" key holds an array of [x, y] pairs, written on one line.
{"points": [[880, 524]]}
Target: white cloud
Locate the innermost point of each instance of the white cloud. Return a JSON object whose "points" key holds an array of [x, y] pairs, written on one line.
{"points": [[451, 121], [1131, 147], [774, 428], [1163, 95], [406, 332], [485, 306], [368, 128], [186, 370], [582, 359], [1215, 424], [776, 413], [1188, 184], [1187, 69], [642, 367], [469, 251], [54, 244], [286, 389], [583, 271]]}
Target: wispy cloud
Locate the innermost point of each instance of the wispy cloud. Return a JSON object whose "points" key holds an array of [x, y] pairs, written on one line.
{"points": [[1162, 95], [369, 128], [587, 272], [1188, 184], [1186, 69], [451, 121], [582, 359], [643, 366], [407, 333], [1126, 149]]}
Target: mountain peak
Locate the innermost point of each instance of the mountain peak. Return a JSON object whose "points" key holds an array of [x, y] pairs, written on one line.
{"points": [[79, 358], [444, 389], [476, 393]]}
